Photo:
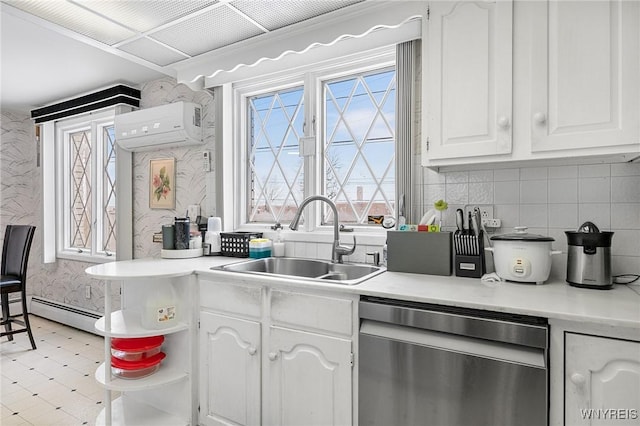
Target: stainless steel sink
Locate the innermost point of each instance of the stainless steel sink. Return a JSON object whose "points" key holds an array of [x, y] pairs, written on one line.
{"points": [[306, 269]]}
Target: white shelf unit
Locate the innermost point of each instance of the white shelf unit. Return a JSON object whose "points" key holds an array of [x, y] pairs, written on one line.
{"points": [[165, 397], [126, 324], [163, 376], [137, 413]]}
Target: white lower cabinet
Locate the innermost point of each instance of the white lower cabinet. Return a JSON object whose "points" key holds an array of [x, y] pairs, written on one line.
{"points": [[310, 379], [229, 370], [602, 381], [275, 357]]}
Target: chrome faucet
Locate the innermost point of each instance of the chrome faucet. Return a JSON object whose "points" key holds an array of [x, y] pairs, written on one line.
{"points": [[338, 250]]}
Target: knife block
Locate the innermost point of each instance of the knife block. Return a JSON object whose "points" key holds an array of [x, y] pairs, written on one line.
{"points": [[469, 259]]}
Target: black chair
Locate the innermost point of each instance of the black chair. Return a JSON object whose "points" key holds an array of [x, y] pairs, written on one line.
{"points": [[15, 256]]}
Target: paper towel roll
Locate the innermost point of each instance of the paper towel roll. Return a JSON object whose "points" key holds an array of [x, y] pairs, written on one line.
{"points": [[213, 238], [214, 224]]}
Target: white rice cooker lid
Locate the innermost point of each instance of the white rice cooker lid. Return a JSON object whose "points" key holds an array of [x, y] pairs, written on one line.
{"points": [[521, 234]]}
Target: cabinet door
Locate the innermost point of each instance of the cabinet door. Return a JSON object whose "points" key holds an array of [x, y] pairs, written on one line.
{"points": [[467, 63], [585, 75], [229, 370], [310, 379], [602, 381]]}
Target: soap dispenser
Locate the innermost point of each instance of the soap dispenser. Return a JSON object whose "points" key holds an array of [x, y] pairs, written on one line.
{"points": [[278, 244]]}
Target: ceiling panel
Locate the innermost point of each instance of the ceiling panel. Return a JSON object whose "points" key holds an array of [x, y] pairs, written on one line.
{"points": [[75, 18], [145, 15], [152, 51], [280, 13], [207, 31], [87, 44]]}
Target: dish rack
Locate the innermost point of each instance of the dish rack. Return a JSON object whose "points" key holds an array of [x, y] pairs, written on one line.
{"points": [[469, 249], [236, 244]]}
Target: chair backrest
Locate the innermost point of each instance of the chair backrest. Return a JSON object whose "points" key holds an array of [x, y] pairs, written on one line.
{"points": [[15, 251]]}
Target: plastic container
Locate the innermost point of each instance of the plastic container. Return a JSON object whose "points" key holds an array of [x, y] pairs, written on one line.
{"points": [[136, 349], [259, 248], [136, 369]]}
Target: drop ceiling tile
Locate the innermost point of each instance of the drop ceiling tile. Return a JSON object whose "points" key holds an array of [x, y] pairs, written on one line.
{"points": [[75, 18], [280, 13], [145, 15], [151, 51], [207, 31]]}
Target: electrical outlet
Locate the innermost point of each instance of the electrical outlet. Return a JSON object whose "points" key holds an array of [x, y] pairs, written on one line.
{"points": [[87, 292], [492, 223], [486, 210]]}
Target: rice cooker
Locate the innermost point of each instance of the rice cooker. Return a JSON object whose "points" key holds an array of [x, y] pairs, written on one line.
{"points": [[522, 257], [589, 257]]}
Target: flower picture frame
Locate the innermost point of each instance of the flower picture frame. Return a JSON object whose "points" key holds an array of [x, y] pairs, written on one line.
{"points": [[162, 183]]}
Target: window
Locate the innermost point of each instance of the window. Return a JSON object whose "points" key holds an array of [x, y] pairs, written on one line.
{"points": [[276, 175], [359, 145], [85, 187], [346, 117]]}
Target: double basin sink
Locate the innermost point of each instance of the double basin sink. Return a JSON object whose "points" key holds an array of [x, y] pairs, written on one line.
{"points": [[306, 269]]}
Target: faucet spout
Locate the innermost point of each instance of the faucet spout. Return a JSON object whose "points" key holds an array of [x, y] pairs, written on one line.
{"points": [[338, 250]]}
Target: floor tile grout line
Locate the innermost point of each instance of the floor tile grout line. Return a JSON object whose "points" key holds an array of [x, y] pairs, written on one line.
{"points": [[52, 338]]}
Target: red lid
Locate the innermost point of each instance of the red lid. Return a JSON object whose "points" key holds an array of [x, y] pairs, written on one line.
{"points": [[138, 344], [138, 364]]}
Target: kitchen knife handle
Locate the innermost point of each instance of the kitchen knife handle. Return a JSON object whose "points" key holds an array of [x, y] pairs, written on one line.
{"points": [[460, 219], [474, 223]]}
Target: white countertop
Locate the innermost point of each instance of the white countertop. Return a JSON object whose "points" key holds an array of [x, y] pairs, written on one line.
{"points": [[617, 307]]}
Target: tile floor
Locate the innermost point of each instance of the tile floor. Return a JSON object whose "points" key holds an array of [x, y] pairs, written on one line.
{"points": [[53, 385]]}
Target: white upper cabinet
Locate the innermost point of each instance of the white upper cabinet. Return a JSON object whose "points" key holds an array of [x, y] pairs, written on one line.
{"points": [[531, 80], [584, 75], [467, 68]]}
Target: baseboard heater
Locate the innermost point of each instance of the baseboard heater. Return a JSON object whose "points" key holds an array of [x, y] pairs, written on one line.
{"points": [[72, 316]]}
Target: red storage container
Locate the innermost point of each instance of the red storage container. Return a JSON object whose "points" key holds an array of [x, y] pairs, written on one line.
{"points": [[136, 369], [136, 349]]}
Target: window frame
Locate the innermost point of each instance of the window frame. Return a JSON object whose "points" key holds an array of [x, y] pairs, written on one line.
{"points": [[311, 76], [96, 123]]}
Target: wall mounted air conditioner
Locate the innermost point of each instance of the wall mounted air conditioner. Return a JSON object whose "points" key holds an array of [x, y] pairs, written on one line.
{"points": [[177, 124]]}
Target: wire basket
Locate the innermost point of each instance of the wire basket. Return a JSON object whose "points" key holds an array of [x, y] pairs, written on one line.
{"points": [[236, 244]]}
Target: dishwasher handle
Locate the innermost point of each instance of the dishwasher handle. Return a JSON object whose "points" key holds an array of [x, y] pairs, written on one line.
{"points": [[521, 355], [460, 321]]}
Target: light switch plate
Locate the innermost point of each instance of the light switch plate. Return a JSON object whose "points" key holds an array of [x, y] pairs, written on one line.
{"points": [[206, 161]]}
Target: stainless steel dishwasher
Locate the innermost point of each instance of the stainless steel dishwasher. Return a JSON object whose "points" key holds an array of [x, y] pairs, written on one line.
{"points": [[423, 364]]}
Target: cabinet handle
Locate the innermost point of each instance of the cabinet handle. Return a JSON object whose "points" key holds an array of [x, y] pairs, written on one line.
{"points": [[273, 356], [577, 379], [503, 122], [252, 350], [539, 118]]}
